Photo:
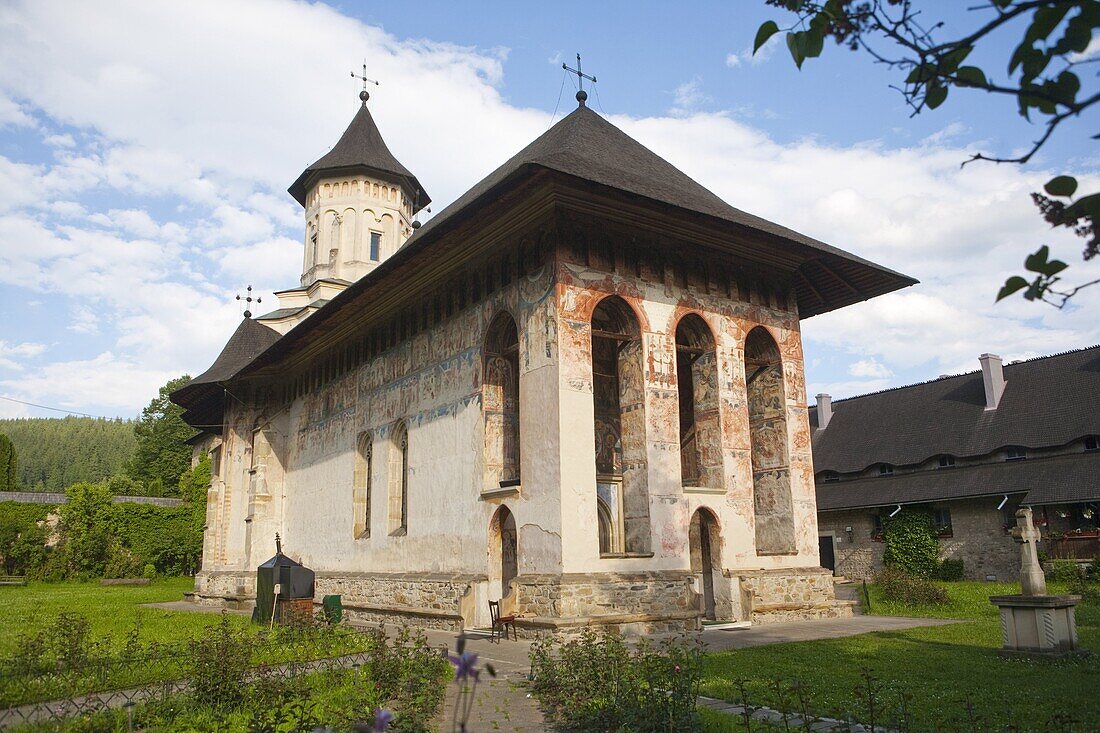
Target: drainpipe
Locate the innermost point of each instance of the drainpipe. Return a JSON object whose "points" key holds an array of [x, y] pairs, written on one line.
{"points": [[1003, 502], [894, 513]]}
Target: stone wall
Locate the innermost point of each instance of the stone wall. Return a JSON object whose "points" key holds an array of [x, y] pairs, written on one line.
{"points": [[588, 595], [978, 539], [772, 596]]}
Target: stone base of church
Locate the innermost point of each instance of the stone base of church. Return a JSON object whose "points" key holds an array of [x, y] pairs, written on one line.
{"points": [[788, 594]]}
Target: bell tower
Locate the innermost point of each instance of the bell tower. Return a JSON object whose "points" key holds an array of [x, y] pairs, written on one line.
{"points": [[359, 203]]}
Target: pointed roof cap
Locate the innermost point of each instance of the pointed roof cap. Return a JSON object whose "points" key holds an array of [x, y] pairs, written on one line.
{"points": [[360, 148]]}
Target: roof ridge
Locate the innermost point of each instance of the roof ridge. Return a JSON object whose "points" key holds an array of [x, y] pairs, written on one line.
{"points": [[945, 377]]}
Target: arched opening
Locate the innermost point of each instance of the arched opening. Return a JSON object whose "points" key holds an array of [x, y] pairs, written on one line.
{"points": [[361, 489], [697, 389], [399, 480], [500, 402], [503, 552], [771, 473], [618, 395], [604, 517], [704, 544]]}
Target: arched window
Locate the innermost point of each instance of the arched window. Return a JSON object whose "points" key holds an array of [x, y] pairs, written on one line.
{"points": [[500, 402], [364, 455], [608, 540], [399, 480], [771, 471], [618, 395], [697, 389]]}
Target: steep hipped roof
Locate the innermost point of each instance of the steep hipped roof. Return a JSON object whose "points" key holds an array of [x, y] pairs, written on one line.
{"points": [[360, 148], [585, 145], [1049, 401], [1059, 479], [249, 341]]}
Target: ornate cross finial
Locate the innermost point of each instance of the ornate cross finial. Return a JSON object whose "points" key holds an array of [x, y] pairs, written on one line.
{"points": [[581, 76], [364, 95], [248, 301]]}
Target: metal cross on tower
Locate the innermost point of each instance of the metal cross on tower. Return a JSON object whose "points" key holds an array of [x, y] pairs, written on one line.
{"points": [[248, 301], [581, 76], [364, 95]]}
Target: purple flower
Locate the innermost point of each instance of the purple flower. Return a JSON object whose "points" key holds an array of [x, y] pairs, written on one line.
{"points": [[465, 665], [382, 719]]}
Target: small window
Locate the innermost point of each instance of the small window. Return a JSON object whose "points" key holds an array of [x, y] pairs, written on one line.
{"points": [[830, 476], [1091, 443], [216, 462], [876, 527], [885, 469], [1015, 453], [375, 245], [947, 461], [942, 519]]}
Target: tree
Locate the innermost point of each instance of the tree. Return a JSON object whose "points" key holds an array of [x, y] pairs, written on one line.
{"points": [[161, 455], [88, 521], [1041, 76], [8, 481]]}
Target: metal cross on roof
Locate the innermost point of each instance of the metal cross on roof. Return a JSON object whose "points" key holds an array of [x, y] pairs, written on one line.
{"points": [[581, 76], [364, 95], [248, 301]]}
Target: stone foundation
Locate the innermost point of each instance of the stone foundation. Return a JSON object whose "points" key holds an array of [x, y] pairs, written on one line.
{"points": [[789, 594]]}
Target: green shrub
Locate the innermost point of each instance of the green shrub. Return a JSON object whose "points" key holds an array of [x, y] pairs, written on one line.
{"points": [[218, 662], [1064, 571], [595, 682], [912, 590], [949, 570], [911, 543], [149, 571]]}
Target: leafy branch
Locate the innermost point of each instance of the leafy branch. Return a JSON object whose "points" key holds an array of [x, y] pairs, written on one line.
{"points": [[1041, 75]]}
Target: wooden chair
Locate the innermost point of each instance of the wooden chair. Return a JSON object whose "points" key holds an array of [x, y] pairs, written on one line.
{"points": [[501, 623]]}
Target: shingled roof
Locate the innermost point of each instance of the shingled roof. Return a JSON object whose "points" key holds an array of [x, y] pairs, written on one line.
{"points": [[249, 341], [586, 146], [1060, 479], [360, 148], [1049, 401]]}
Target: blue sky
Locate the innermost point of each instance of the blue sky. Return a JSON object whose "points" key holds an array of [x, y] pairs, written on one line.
{"points": [[145, 150]]}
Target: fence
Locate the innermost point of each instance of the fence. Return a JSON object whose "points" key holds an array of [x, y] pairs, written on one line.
{"points": [[44, 497]]}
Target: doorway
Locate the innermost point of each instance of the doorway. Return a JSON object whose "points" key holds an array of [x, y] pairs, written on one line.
{"points": [[827, 551], [703, 544], [503, 552]]}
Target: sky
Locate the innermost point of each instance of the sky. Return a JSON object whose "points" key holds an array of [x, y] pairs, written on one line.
{"points": [[146, 148]]}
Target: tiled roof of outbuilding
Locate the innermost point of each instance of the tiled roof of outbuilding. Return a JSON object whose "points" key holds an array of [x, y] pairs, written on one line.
{"points": [[1055, 480], [1049, 401]]}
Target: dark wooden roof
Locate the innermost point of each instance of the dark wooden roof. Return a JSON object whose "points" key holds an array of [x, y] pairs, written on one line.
{"points": [[201, 397], [360, 148], [1059, 479], [1047, 402]]}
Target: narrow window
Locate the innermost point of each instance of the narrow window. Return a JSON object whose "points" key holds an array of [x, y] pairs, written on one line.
{"points": [[885, 469], [313, 247], [876, 527], [375, 245], [500, 403], [947, 461], [362, 484], [697, 390], [1015, 453], [399, 481], [619, 425], [942, 519], [771, 469]]}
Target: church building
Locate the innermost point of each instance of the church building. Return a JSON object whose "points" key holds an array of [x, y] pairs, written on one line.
{"points": [[577, 389]]}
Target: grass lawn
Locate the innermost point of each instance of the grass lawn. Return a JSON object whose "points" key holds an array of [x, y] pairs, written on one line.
{"points": [[111, 610], [941, 668]]}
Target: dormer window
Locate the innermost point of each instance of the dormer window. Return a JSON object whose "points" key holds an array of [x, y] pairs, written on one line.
{"points": [[375, 245], [1091, 443], [947, 461], [830, 476], [885, 469], [1015, 453]]}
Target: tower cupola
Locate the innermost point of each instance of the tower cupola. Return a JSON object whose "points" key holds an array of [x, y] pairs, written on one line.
{"points": [[359, 203]]}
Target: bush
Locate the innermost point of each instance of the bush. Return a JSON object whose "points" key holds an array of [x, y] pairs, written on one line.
{"points": [[595, 683], [911, 543], [218, 662], [1064, 571], [949, 570], [912, 590]]}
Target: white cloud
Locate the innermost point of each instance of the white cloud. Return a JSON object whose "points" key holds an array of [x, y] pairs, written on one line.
{"points": [[869, 368], [688, 97], [60, 141], [1090, 51], [12, 355], [746, 56]]}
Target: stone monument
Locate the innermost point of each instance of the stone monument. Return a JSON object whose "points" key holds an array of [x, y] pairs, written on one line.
{"points": [[1034, 623]]}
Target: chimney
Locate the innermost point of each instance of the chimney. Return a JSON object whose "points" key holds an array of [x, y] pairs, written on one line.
{"points": [[993, 377], [824, 411]]}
